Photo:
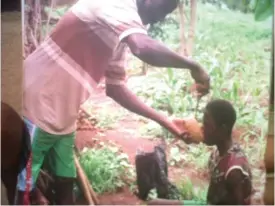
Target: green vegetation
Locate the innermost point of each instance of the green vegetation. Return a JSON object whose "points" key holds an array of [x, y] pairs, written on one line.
{"points": [[262, 9], [197, 156], [187, 190], [106, 168], [232, 47], [190, 192]]}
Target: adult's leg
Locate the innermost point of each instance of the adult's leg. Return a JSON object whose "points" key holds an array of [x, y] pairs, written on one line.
{"points": [[61, 162]]}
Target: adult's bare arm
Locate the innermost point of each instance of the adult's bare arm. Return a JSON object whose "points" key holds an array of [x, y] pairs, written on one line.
{"points": [[156, 53], [123, 96]]}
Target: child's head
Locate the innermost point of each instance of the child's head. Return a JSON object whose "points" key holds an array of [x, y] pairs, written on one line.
{"points": [[218, 121]]}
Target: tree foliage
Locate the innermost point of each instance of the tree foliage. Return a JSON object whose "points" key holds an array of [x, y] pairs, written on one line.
{"points": [[156, 30], [262, 9]]}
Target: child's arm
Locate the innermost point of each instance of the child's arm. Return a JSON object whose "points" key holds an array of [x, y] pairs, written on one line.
{"points": [[235, 181]]}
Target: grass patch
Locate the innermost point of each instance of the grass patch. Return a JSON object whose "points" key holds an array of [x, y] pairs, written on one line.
{"points": [[190, 192], [186, 155], [106, 168], [151, 130], [187, 190]]}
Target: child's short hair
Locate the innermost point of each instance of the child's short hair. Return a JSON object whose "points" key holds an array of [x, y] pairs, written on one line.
{"points": [[223, 113]]}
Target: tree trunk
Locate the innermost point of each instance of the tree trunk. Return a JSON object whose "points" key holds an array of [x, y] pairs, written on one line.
{"points": [[35, 18], [183, 50], [32, 26], [191, 34]]}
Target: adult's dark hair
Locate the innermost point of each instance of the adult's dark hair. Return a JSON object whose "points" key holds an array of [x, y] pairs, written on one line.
{"points": [[170, 4], [167, 5], [223, 113]]}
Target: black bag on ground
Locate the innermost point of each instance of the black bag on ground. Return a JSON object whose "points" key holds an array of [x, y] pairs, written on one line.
{"points": [[152, 172]]}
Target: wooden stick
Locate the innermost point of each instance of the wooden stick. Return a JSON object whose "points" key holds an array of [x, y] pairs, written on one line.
{"points": [[81, 178], [85, 179], [93, 194]]}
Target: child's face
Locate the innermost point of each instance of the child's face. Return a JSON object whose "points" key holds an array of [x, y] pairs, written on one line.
{"points": [[210, 130]]}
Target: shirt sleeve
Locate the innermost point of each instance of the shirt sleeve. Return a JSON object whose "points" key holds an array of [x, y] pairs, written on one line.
{"points": [[112, 21], [236, 167], [123, 19], [115, 73]]}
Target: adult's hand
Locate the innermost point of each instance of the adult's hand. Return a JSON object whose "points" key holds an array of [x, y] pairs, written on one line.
{"points": [[202, 80]]}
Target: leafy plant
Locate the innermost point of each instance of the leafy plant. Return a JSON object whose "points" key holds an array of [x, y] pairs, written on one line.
{"points": [[106, 168], [151, 130], [195, 155], [152, 194], [262, 8], [158, 30], [190, 192]]}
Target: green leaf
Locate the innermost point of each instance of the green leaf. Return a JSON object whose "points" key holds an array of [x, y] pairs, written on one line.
{"points": [[264, 9], [252, 4]]}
